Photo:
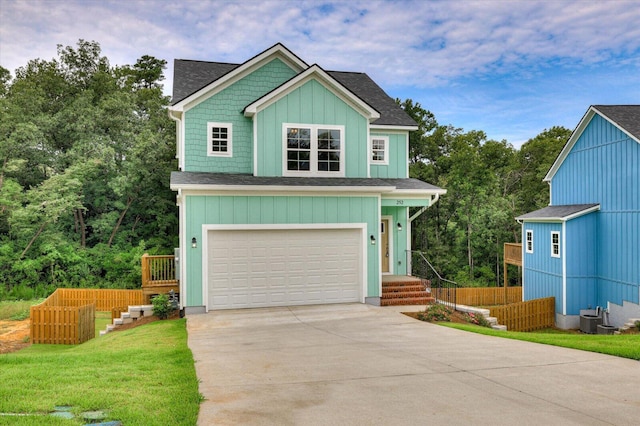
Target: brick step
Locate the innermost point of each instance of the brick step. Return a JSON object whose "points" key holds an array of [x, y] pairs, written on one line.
{"points": [[405, 295], [406, 283], [407, 301], [395, 289]]}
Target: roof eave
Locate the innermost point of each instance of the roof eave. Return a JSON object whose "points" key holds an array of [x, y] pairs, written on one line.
{"points": [[280, 188], [387, 127], [558, 218]]}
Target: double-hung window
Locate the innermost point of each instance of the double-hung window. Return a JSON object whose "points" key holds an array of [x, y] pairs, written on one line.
{"points": [[379, 150], [219, 139], [555, 244], [313, 150], [529, 241]]}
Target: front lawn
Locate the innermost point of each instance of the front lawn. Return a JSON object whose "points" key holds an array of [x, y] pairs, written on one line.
{"points": [[141, 376], [623, 345]]}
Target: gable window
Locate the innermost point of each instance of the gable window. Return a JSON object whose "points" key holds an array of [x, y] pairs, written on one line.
{"points": [[379, 150], [529, 241], [219, 137], [313, 150], [555, 244]]}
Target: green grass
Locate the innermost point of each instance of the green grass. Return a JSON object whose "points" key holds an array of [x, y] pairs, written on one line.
{"points": [[102, 319], [623, 345], [17, 310], [142, 376]]}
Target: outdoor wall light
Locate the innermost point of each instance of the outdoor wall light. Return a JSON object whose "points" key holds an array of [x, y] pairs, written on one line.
{"points": [[373, 240], [399, 226], [194, 242]]}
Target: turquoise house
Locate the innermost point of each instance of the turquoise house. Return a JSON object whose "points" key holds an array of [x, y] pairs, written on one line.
{"points": [[584, 248], [293, 185]]}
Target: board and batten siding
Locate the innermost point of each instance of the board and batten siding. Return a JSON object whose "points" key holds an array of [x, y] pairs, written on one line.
{"points": [[226, 107], [542, 273], [398, 157], [581, 263], [311, 103], [603, 168], [241, 210]]}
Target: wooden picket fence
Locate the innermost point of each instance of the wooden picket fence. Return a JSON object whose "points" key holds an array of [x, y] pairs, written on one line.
{"points": [[67, 317], [488, 296], [104, 299], [527, 316]]}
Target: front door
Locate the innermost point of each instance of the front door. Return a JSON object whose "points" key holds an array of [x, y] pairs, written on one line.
{"points": [[384, 246]]}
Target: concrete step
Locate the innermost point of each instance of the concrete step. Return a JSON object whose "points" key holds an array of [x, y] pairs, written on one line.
{"points": [[492, 320]]}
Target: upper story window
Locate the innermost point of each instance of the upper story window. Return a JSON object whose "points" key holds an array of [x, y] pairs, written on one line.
{"points": [[529, 241], [313, 150], [555, 244], [219, 139], [379, 150]]}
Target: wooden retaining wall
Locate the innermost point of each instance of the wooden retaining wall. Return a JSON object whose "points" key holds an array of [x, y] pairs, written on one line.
{"points": [[67, 317], [488, 296], [527, 316]]}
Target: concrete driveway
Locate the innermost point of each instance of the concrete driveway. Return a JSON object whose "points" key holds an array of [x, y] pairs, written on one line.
{"points": [[358, 364]]}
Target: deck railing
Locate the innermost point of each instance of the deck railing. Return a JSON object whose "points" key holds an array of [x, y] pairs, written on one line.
{"points": [[512, 256], [159, 274]]}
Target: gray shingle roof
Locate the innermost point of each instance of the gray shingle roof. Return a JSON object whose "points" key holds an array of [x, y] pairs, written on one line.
{"points": [[561, 212], [367, 90], [626, 116], [226, 179], [191, 76]]}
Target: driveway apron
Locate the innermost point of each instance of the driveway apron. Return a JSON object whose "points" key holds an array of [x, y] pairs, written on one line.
{"points": [[355, 364]]}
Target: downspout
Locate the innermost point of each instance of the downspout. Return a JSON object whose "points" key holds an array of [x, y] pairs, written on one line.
{"points": [[424, 209], [178, 135]]}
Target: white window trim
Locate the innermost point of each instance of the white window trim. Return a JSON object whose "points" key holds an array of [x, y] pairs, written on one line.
{"points": [[229, 152], [552, 244], [385, 150], [526, 240], [314, 151]]}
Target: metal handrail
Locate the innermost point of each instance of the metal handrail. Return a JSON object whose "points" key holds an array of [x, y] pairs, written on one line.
{"points": [[445, 296]]}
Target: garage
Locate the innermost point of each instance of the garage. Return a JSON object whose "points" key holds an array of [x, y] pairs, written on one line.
{"points": [[283, 267]]}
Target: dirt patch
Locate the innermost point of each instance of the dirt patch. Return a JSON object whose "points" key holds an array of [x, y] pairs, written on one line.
{"points": [[14, 335]]}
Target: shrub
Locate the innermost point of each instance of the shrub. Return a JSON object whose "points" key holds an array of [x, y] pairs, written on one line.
{"points": [[477, 319], [161, 306], [638, 325], [435, 313]]}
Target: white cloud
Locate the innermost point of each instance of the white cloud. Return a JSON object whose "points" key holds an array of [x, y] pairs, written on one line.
{"points": [[497, 52]]}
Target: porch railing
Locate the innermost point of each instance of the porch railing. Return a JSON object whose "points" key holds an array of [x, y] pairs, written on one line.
{"points": [[159, 274], [443, 290]]}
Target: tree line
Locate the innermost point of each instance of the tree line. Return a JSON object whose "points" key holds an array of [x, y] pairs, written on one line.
{"points": [[86, 150]]}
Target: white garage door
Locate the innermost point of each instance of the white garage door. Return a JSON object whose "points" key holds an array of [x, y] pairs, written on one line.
{"points": [[258, 268]]}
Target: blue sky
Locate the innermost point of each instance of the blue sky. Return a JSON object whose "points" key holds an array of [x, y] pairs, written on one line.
{"points": [[509, 68]]}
